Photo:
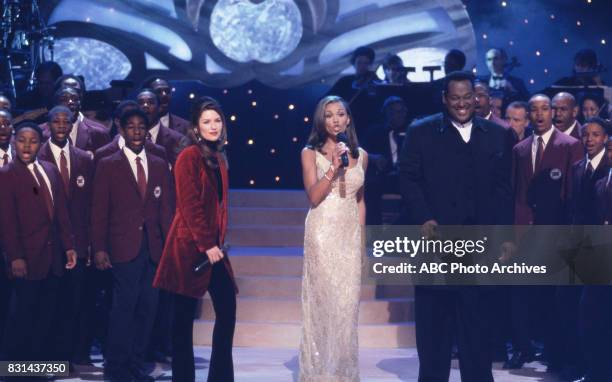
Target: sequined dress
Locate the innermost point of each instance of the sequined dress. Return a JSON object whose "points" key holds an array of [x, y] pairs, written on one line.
{"points": [[331, 281]]}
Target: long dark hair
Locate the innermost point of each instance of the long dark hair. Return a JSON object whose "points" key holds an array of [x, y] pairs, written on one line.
{"points": [[319, 134], [208, 149]]}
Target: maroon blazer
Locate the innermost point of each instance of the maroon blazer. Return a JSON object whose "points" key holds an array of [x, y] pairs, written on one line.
{"points": [[172, 141], [27, 230], [542, 198], [90, 136], [199, 224], [119, 214], [178, 124], [577, 132], [113, 147], [78, 194]]}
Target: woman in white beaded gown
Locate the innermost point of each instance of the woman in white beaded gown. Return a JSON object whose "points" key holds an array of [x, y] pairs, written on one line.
{"points": [[333, 248]]}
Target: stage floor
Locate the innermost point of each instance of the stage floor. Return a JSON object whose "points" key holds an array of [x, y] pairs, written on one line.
{"points": [[281, 365]]}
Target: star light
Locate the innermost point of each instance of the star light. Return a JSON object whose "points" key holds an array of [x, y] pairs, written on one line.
{"points": [[233, 118], [254, 103], [291, 106], [250, 142]]}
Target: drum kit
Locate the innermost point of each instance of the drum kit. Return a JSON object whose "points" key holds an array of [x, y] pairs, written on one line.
{"points": [[26, 41]]}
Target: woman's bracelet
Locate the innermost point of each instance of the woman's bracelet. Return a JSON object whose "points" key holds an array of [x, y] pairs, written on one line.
{"points": [[333, 170]]}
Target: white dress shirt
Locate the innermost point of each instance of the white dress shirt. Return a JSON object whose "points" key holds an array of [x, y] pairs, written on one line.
{"points": [[75, 128], [497, 83], [43, 173], [595, 161], [121, 142], [464, 129], [131, 156], [57, 152], [534, 145], [165, 120], [571, 128], [154, 131], [7, 152]]}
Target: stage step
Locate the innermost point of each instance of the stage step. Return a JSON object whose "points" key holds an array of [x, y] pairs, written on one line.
{"points": [[265, 236], [268, 198], [290, 310], [274, 334], [290, 287], [267, 216]]}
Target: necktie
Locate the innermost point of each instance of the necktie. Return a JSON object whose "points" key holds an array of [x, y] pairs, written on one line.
{"points": [[141, 177], [539, 155], [44, 190], [399, 140], [64, 171], [5, 159], [589, 171]]}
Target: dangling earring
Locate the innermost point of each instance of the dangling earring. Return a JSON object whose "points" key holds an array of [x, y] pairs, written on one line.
{"points": [[197, 135]]}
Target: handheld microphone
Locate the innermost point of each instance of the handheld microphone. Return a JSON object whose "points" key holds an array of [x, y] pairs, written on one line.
{"points": [[198, 267], [341, 137]]}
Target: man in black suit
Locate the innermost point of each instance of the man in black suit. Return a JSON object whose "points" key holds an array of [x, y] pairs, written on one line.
{"points": [[455, 169], [512, 87]]}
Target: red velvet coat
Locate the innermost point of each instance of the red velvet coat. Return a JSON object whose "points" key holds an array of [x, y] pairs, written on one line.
{"points": [[199, 224]]}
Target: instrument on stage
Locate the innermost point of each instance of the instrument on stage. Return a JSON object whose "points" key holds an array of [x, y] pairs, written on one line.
{"points": [[25, 37]]}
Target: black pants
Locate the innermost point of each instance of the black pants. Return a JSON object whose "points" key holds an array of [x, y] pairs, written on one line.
{"points": [[444, 313], [75, 309], [223, 297], [29, 331], [132, 313], [5, 298], [595, 330]]}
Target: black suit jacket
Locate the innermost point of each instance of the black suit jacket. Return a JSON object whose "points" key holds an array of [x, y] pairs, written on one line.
{"points": [[583, 196], [521, 94], [434, 173]]}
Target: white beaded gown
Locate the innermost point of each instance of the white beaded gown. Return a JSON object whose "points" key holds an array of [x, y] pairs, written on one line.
{"points": [[331, 281]]}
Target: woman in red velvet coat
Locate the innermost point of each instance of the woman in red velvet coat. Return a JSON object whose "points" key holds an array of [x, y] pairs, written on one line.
{"points": [[197, 233]]}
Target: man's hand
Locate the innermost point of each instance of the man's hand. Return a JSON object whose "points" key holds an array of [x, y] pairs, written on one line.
{"points": [[71, 259], [102, 261], [429, 229], [508, 251], [19, 268]]}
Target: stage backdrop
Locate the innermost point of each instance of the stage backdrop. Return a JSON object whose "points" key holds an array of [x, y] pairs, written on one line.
{"points": [[269, 61]]}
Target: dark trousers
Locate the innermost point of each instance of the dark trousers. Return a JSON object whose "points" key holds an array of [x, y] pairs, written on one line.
{"points": [[5, 298], [161, 338], [29, 331], [222, 293], [520, 301], [444, 313], [596, 332], [132, 312], [75, 313]]}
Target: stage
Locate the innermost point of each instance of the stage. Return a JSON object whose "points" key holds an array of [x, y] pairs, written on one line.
{"points": [[281, 365]]}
